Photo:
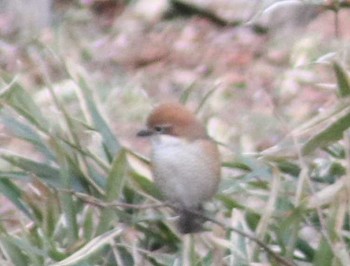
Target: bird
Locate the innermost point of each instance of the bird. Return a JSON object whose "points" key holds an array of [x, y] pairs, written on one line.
{"points": [[185, 162]]}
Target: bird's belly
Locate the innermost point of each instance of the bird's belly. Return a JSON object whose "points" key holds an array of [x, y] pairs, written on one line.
{"points": [[183, 174]]}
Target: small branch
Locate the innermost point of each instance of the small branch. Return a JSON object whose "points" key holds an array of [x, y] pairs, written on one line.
{"points": [[336, 6], [98, 203], [114, 204], [9, 219], [184, 7], [269, 251]]}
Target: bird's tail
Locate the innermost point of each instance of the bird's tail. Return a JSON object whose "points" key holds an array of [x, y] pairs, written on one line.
{"points": [[189, 222]]}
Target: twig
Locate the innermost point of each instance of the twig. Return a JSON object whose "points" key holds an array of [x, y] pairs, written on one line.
{"points": [[114, 204], [187, 8], [273, 254], [334, 6], [9, 219], [98, 203]]}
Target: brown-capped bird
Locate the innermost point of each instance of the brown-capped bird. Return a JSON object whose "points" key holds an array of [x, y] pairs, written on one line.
{"points": [[185, 161]]}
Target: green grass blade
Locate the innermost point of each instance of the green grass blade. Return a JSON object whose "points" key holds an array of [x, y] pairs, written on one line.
{"points": [[110, 143], [229, 203], [186, 93], [45, 172], [324, 255], [342, 80], [88, 226], [146, 185], [15, 175], [25, 132], [306, 249], [68, 205], [13, 252], [26, 246], [332, 133], [115, 184], [22, 102], [14, 194], [205, 99]]}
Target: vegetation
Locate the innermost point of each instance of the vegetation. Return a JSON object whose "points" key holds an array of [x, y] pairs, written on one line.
{"points": [[80, 196]]}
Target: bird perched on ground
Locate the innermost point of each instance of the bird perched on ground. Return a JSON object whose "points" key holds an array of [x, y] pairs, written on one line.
{"points": [[185, 161]]}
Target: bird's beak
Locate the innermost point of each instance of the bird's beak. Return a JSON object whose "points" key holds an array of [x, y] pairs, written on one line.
{"points": [[145, 133]]}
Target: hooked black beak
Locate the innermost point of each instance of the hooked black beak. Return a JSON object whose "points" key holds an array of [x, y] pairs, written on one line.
{"points": [[144, 133]]}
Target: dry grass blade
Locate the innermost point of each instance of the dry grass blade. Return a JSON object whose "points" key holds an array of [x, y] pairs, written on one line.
{"points": [[91, 247]]}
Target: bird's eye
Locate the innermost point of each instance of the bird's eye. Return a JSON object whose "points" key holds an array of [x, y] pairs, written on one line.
{"points": [[158, 129]]}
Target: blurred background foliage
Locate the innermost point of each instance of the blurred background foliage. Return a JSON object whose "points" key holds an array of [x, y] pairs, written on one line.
{"points": [[269, 78]]}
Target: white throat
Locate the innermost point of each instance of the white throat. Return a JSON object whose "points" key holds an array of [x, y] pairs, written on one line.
{"points": [[166, 141]]}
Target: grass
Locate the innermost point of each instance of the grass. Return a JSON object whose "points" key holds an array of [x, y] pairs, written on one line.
{"points": [[83, 197], [64, 229]]}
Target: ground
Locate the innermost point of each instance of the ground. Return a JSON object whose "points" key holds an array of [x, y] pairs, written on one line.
{"points": [[256, 86]]}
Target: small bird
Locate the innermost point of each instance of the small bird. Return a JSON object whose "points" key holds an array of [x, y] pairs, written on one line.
{"points": [[185, 162]]}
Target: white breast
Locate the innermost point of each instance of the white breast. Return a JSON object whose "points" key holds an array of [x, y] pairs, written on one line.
{"points": [[182, 171]]}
